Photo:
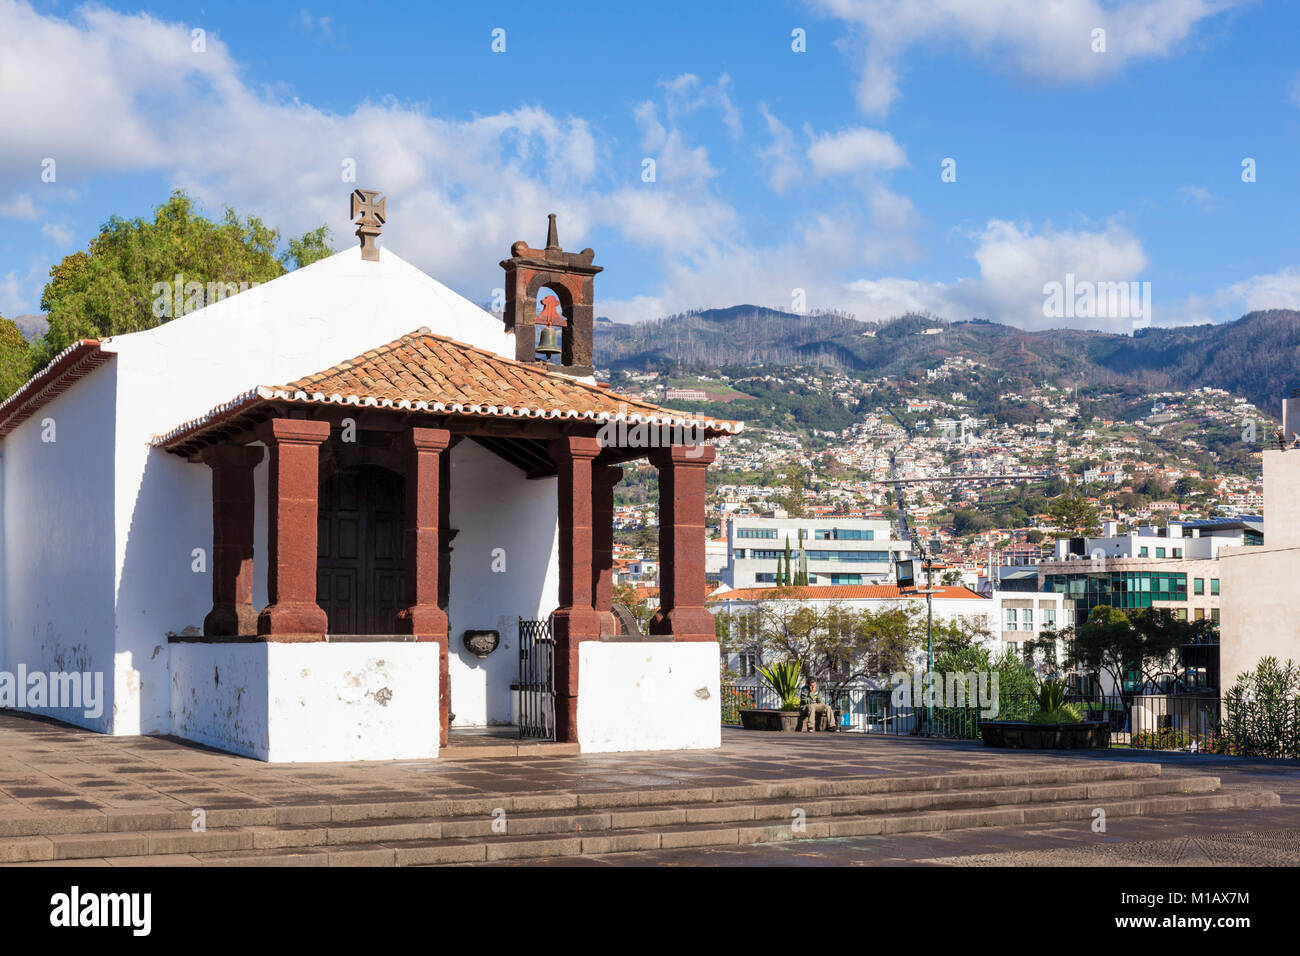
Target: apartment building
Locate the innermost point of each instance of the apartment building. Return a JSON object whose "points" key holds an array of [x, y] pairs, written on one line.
{"points": [[836, 550], [1174, 567]]}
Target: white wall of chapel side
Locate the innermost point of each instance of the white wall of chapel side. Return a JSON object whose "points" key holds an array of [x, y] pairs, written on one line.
{"points": [[58, 543], [504, 565], [648, 695], [161, 505], [360, 701]]}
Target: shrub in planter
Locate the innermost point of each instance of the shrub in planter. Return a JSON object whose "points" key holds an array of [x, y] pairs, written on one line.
{"points": [[1166, 738], [1064, 714], [784, 679]]}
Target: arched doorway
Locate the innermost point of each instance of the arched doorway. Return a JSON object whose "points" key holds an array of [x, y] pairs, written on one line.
{"points": [[360, 559]]}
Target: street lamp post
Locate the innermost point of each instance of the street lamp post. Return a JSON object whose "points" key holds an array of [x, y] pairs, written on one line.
{"points": [[927, 563]]}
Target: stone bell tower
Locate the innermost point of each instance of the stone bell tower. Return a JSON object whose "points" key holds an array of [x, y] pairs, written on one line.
{"points": [[571, 277]]}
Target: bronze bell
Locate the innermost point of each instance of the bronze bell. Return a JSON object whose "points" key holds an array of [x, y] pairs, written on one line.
{"points": [[548, 343]]}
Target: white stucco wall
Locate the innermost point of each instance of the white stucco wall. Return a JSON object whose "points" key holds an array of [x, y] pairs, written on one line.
{"points": [[493, 506], [1258, 583], [57, 590], [365, 701], [299, 324], [642, 695]]}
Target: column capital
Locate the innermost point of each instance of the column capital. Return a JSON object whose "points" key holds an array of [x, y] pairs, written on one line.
{"points": [[609, 475], [232, 456], [683, 456], [293, 431], [576, 446], [427, 439]]}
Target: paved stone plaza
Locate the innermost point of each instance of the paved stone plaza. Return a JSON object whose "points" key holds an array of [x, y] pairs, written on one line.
{"points": [[49, 772]]}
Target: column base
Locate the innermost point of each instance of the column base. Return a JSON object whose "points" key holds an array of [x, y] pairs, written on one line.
{"points": [[684, 624], [230, 620], [293, 619], [444, 680], [571, 626]]}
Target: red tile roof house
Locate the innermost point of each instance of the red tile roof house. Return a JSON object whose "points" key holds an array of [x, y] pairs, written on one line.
{"points": [[271, 524]]}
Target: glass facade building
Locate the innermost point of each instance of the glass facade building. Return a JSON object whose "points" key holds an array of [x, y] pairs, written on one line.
{"points": [[1119, 589]]}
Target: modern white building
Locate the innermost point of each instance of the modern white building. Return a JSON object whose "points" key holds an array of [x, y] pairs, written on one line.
{"points": [[1175, 567], [1029, 615], [835, 550]]}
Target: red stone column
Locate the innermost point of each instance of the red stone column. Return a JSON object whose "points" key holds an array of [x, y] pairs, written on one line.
{"points": [[294, 446], [575, 620], [604, 478], [232, 540], [424, 616], [681, 611]]}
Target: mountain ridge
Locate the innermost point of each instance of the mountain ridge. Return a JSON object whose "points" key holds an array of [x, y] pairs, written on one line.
{"points": [[1256, 356]]}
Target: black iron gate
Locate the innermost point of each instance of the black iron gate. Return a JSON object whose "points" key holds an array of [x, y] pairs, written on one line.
{"points": [[536, 685]]}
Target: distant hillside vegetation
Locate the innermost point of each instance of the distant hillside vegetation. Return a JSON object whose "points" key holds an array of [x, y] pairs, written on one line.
{"points": [[1256, 356]]}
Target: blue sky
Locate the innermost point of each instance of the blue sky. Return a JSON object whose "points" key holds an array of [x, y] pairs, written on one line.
{"points": [[775, 170]]}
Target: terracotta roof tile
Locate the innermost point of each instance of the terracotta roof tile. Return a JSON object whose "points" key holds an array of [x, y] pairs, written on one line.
{"points": [[433, 372]]}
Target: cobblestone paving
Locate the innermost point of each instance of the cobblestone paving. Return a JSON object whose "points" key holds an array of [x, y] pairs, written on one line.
{"points": [[49, 768]]}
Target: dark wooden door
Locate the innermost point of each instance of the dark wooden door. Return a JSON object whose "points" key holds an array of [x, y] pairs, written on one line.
{"points": [[360, 561]]}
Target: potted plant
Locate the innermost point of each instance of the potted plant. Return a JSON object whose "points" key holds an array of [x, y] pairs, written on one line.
{"points": [[784, 678], [1055, 725]]}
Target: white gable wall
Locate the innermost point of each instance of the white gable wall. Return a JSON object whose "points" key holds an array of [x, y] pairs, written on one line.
{"points": [[299, 324], [56, 585]]}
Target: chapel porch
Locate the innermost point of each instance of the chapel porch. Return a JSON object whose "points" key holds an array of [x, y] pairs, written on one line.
{"points": [[360, 546]]}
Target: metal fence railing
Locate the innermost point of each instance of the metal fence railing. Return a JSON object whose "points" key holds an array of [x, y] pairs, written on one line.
{"points": [[1146, 721]]}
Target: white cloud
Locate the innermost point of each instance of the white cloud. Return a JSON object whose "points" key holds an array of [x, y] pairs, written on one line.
{"points": [[779, 160], [58, 233], [1015, 262], [1198, 195], [1045, 41], [18, 206], [13, 299], [854, 149], [1274, 290], [310, 24]]}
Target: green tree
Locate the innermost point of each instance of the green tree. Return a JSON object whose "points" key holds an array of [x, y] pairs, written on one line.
{"points": [[969, 521], [796, 481], [1136, 648], [15, 358], [310, 247], [1074, 515], [115, 286]]}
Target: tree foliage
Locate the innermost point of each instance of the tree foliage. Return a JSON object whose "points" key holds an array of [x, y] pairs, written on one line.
{"points": [[113, 287], [842, 644], [1075, 514], [15, 358], [1135, 648]]}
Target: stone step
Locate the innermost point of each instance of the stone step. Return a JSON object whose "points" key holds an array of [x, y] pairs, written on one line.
{"points": [[426, 851], [123, 821], [1024, 801], [504, 749]]}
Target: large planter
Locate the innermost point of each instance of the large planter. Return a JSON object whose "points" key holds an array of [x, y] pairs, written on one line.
{"points": [[783, 720], [1017, 734], [786, 720]]}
